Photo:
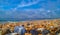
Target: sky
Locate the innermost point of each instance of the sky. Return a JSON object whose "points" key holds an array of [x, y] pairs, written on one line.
{"points": [[29, 9]]}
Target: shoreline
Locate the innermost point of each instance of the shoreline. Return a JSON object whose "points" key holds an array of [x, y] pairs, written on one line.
{"points": [[3, 21]]}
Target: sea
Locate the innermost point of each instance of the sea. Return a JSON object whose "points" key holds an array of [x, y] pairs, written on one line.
{"points": [[20, 20]]}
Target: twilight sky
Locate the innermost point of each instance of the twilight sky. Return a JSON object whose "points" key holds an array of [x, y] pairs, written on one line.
{"points": [[29, 9]]}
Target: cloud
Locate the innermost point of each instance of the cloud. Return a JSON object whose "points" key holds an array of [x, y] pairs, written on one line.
{"points": [[36, 13], [47, 10], [24, 4], [30, 14]]}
